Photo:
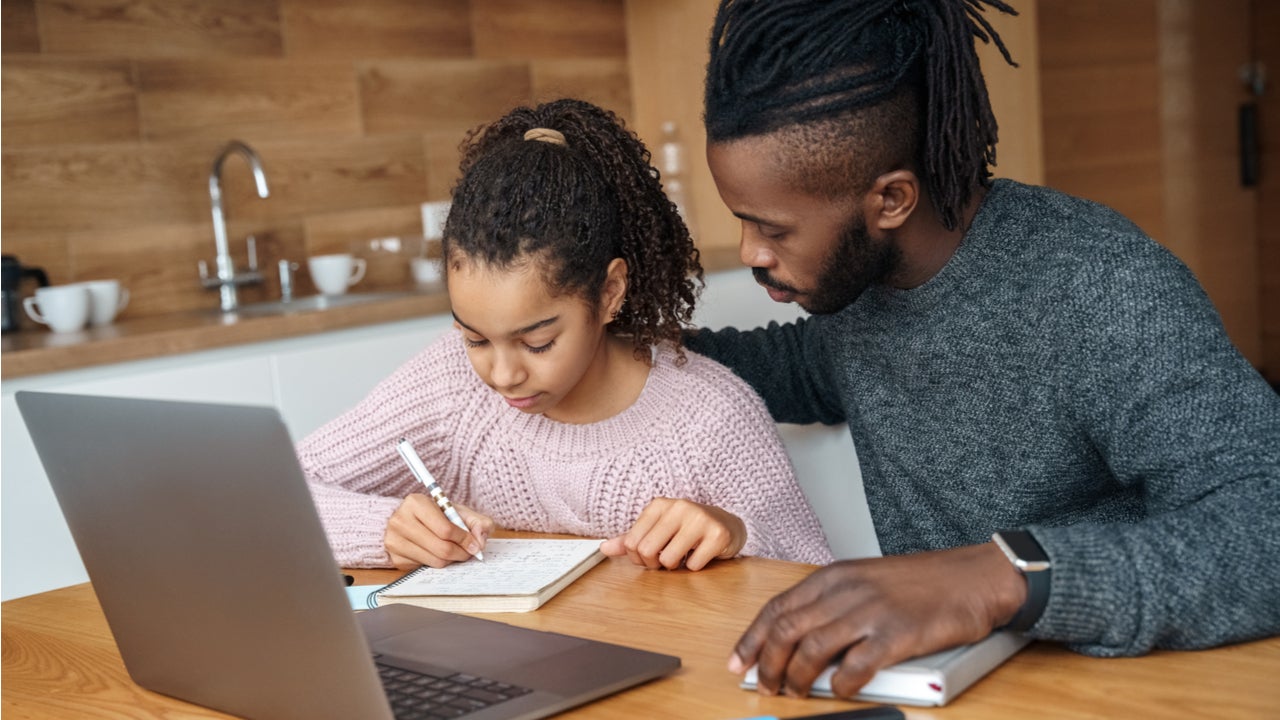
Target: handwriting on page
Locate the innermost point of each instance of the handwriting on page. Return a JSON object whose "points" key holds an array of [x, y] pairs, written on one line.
{"points": [[510, 567]]}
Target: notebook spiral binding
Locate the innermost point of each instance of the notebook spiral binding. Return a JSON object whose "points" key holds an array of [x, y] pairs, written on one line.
{"points": [[372, 602]]}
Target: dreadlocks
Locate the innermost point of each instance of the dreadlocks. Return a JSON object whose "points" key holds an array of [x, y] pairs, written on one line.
{"points": [[863, 72]]}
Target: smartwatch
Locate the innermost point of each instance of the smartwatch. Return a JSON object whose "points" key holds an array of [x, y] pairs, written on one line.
{"points": [[1030, 560]]}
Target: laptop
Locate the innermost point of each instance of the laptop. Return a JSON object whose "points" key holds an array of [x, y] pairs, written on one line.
{"points": [[206, 553]]}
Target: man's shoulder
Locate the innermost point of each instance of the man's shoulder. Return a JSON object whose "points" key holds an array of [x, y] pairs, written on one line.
{"points": [[1078, 236]]}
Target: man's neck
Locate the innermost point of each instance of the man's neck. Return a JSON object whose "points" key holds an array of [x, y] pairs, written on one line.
{"points": [[927, 246]]}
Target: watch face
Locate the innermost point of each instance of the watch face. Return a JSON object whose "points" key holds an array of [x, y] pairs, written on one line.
{"points": [[1026, 550]]}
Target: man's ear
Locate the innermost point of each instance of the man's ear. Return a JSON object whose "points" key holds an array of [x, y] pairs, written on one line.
{"points": [[614, 292], [892, 199]]}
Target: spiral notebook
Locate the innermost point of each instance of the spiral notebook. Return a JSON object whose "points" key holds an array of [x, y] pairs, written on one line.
{"points": [[516, 575]]}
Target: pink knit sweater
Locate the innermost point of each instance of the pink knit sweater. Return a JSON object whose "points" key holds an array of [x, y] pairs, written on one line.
{"points": [[696, 432]]}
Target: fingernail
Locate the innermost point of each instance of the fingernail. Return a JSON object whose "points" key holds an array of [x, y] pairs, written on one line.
{"points": [[473, 548], [736, 666]]}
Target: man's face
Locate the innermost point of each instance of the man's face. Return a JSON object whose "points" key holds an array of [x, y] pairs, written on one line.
{"points": [[803, 248]]}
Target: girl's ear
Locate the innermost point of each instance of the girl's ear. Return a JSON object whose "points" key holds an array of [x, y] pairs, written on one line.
{"points": [[614, 293]]}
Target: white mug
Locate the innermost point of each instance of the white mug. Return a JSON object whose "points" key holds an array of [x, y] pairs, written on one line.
{"points": [[64, 308], [426, 271], [333, 274], [434, 215], [106, 299]]}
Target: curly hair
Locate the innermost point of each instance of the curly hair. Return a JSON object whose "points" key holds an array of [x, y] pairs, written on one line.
{"points": [[574, 208], [881, 84]]}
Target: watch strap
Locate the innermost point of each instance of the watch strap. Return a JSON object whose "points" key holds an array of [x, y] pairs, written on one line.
{"points": [[1038, 582]]}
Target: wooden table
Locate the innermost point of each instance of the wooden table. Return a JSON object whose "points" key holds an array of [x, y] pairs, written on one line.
{"points": [[59, 660]]}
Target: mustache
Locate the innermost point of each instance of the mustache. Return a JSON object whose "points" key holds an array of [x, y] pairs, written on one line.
{"points": [[763, 278]]}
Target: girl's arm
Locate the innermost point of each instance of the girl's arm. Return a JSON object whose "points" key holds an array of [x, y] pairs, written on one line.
{"points": [[356, 477]]}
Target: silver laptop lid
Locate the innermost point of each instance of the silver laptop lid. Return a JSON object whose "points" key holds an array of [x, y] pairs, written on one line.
{"points": [[205, 551]]}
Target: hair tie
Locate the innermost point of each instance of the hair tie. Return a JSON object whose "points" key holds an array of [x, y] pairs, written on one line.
{"points": [[555, 137]]}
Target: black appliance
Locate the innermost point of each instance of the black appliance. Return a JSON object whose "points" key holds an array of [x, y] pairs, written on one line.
{"points": [[12, 273]]}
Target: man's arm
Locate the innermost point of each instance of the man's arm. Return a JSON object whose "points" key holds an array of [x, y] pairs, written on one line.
{"points": [[1175, 410], [786, 364]]}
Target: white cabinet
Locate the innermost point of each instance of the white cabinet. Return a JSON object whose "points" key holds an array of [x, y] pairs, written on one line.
{"points": [[316, 382], [309, 379]]}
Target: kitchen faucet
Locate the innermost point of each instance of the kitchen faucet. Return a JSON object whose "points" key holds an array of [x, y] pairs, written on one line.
{"points": [[227, 277]]}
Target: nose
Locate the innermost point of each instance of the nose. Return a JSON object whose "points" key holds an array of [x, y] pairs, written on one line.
{"points": [[507, 371], [752, 251]]}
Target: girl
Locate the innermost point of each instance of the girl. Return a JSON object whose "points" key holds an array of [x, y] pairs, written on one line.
{"points": [[562, 402]]}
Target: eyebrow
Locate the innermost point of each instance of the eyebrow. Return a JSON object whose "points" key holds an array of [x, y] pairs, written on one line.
{"points": [[755, 219], [518, 331]]}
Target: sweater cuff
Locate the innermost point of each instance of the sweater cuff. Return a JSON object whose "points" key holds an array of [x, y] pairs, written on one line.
{"points": [[1092, 597], [356, 536]]}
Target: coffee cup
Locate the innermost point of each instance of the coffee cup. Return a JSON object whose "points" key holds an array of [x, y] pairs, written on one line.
{"points": [[434, 215], [106, 299], [333, 274], [64, 308], [426, 271]]}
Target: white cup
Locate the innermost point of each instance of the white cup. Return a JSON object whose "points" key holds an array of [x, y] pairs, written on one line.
{"points": [[434, 215], [333, 274], [426, 271], [64, 308], [106, 299]]}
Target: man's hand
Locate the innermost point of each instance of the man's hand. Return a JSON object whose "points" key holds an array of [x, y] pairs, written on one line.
{"points": [[875, 613], [418, 533], [669, 533]]}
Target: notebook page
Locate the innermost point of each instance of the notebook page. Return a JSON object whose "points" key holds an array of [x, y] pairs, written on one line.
{"points": [[510, 567]]}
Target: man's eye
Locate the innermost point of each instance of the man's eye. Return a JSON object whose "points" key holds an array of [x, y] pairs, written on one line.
{"points": [[769, 232]]}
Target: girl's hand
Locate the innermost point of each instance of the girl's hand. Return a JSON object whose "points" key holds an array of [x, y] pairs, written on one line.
{"points": [[418, 533], [669, 533]]}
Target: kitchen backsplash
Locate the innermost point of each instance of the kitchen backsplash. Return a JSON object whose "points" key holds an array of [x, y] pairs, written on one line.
{"points": [[114, 110]]}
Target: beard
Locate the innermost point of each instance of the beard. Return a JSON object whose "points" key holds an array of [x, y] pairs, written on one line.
{"points": [[857, 262]]}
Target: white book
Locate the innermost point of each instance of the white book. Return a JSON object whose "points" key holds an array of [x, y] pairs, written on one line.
{"points": [[516, 575], [935, 679]]}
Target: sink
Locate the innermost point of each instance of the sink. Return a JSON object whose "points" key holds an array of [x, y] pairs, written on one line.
{"points": [[313, 303]]}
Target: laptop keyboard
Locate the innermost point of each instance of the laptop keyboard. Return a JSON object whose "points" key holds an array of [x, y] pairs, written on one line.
{"points": [[418, 696]]}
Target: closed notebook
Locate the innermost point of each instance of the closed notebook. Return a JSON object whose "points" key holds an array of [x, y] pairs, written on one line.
{"points": [[930, 679], [516, 575]]}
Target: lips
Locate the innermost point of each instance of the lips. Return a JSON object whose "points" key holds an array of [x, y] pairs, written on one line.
{"points": [[780, 296], [523, 403]]}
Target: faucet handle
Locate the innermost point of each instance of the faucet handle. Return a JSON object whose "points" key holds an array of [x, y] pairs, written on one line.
{"points": [[207, 280], [287, 269], [252, 245]]}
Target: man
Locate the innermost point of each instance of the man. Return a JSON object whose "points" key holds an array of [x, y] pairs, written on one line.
{"points": [[1009, 360]]}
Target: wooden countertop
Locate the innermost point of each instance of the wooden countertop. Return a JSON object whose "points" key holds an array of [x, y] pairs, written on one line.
{"points": [[38, 351], [33, 352]]}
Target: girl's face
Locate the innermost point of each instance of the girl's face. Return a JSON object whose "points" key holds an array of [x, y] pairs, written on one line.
{"points": [[533, 348]]}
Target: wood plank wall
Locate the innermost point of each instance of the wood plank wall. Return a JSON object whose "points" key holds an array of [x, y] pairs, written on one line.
{"points": [[113, 112], [1140, 105], [1266, 41]]}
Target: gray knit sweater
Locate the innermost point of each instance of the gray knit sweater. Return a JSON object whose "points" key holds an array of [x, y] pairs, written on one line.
{"points": [[1065, 374]]}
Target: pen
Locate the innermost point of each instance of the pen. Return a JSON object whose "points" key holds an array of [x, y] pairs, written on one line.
{"points": [[424, 476]]}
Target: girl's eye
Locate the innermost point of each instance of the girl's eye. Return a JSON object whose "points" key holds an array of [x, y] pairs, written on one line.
{"points": [[536, 349], [473, 343]]}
